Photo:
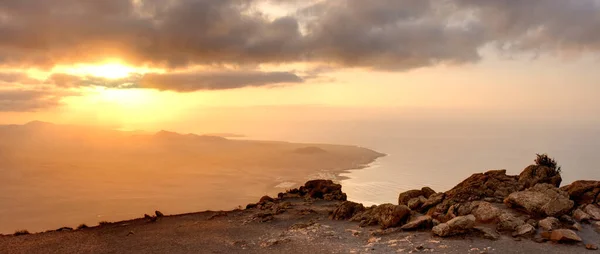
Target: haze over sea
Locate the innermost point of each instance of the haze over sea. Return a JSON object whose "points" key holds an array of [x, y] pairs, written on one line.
{"points": [[440, 152]]}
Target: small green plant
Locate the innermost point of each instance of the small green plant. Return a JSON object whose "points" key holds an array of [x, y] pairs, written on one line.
{"points": [[21, 232], [545, 160]]}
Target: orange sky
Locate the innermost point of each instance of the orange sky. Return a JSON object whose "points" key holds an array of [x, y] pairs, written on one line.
{"points": [[139, 66]]}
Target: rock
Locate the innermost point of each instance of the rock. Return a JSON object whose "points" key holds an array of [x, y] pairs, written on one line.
{"points": [[250, 206], [549, 223], [433, 200], [323, 189], [487, 233], [541, 200], [568, 219], [583, 192], [427, 192], [536, 174], [265, 199], [494, 185], [576, 226], [593, 211], [385, 215], [456, 226], [416, 203], [580, 215], [564, 235], [421, 222], [64, 229], [508, 222], [347, 210], [532, 222], [524, 230], [590, 246], [486, 212], [406, 196], [159, 214]]}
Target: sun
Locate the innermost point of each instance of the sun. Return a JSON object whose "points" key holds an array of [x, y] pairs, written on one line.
{"points": [[109, 70]]}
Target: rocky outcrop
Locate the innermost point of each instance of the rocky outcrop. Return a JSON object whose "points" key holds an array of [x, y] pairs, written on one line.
{"points": [[456, 226], [541, 200], [386, 216], [583, 192], [346, 210], [535, 174], [323, 189]]}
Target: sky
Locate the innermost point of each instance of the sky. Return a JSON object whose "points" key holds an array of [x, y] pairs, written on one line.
{"points": [[147, 64]]}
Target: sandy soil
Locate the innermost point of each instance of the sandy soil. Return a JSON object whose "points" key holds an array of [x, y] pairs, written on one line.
{"points": [[301, 228]]}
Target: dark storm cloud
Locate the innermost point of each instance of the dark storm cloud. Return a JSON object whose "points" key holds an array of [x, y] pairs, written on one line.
{"points": [[380, 34]]}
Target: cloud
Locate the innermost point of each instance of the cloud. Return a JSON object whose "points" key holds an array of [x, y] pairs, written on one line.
{"points": [[187, 82], [382, 34], [21, 100]]}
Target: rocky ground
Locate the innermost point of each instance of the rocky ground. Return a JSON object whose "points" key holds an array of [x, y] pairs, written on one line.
{"points": [[487, 213]]}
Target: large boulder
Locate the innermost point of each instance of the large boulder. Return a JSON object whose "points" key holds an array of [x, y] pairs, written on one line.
{"points": [[593, 211], [456, 226], [541, 200], [323, 189], [583, 192], [385, 215], [346, 210], [535, 174]]}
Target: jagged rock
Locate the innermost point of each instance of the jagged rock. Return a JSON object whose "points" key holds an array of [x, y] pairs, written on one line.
{"points": [[347, 210], [564, 235], [590, 246], [549, 223], [542, 200], [251, 205], [593, 211], [486, 212], [487, 233], [433, 200], [159, 214], [456, 226], [524, 230], [532, 222], [535, 174], [583, 192], [580, 215], [323, 189], [508, 222], [421, 222], [416, 203], [385, 215], [406, 196]]}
